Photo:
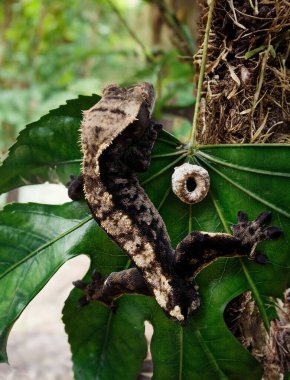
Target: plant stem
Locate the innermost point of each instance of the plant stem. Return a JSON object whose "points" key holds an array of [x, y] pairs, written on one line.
{"points": [[192, 140], [177, 27], [261, 76], [131, 32]]}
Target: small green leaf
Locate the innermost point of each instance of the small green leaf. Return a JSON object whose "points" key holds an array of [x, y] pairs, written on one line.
{"points": [[272, 51], [253, 52]]}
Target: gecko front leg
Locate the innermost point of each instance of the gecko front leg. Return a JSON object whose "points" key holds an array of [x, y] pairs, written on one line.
{"points": [[138, 156], [76, 187], [199, 249]]}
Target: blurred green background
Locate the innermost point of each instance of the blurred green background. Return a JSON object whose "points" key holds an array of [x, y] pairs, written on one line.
{"points": [[51, 51]]}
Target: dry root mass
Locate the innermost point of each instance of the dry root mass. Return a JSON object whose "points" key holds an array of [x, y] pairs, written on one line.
{"points": [[246, 87]]}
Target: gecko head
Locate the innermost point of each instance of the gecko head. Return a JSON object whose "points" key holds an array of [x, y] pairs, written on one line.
{"points": [[147, 92], [143, 90]]}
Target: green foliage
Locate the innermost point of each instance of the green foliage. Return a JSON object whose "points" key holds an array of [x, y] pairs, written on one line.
{"points": [[53, 50], [36, 159], [35, 240]]}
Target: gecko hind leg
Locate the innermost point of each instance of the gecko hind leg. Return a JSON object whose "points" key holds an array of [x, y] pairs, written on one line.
{"points": [[199, 249], [107, 290]]}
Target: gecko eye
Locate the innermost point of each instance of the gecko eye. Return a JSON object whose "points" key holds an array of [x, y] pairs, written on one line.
{"points": [[111, 88], [146, 97]]}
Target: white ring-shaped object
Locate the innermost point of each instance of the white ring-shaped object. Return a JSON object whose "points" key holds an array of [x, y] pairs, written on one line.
{"points": [[180, 182]]}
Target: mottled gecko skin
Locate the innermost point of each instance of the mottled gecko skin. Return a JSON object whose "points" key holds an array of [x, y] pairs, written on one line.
{"points": [[118, 202], [117, 137]]}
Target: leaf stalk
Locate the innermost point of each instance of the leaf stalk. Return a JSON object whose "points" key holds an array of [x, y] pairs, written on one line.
{"points": [[192, 140]]}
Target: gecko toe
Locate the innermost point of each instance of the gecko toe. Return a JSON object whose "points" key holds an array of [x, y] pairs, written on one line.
{"points": [[96, 276], [260, 258], [264, 218], [250, 233], [75, 187], [92, 290], [242, 217], [273, 232], [80, 284], [83, 302]]}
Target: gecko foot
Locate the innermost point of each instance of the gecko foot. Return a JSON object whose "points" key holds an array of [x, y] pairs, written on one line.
{"points": [[75, 187], [93, 291], [250, 233]]}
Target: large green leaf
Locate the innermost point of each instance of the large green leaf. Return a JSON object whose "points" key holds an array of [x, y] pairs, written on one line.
{"points": [[36, 240], [48, 149]]}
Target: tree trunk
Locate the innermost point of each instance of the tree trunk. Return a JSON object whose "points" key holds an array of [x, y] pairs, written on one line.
{"points": [[245, 99], [246, 88]]}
